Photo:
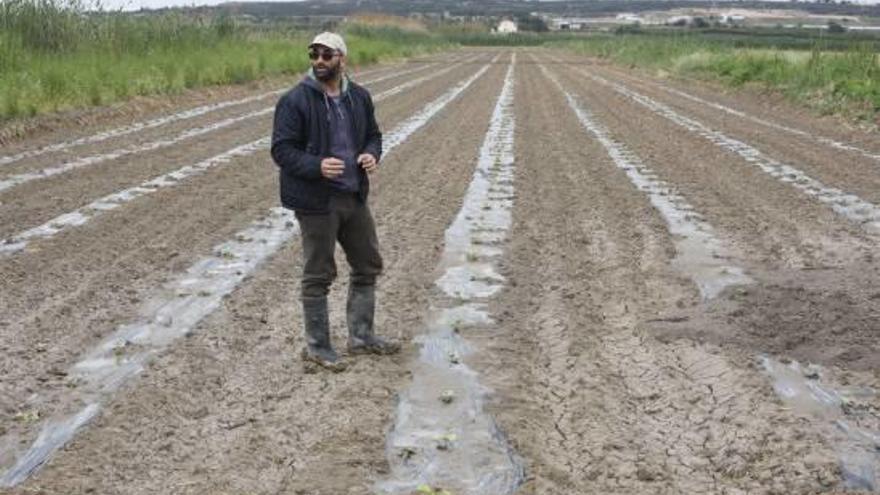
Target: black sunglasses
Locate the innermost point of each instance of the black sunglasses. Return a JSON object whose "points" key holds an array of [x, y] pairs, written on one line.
{"points": [[326, 55]]}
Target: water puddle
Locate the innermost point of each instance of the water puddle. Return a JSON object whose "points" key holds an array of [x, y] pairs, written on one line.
{"points": [[699, 254], [442, 437], [842, 417]]}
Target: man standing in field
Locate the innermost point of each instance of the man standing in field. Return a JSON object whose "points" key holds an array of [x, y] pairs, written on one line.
{"points": [[326, 142]]}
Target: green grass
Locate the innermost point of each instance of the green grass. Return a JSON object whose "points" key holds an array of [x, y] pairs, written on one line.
{"points": [[370, 45], [52, 82], [56, 56], [61, 54], [845, 79]]}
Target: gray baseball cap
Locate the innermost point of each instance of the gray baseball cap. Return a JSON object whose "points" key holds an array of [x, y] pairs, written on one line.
{"points": [[330, 40]]}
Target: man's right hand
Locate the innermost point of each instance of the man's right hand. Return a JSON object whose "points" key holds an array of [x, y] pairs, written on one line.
{"points": [[332, 168]]}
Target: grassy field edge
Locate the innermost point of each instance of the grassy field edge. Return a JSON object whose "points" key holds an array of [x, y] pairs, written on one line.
{"points": [[840, 79]]}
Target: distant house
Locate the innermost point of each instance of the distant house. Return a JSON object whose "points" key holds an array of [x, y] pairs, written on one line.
{"points": [[506, 27], [629, 18], [680, 20], [733, 20], [567, 24]]}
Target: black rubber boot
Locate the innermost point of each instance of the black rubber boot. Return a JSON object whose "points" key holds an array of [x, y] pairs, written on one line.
{"points": [[360, 309], [317, 324]]}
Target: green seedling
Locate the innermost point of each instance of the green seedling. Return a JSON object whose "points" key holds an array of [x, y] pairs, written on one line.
{"points": [[27, 416], [453, 357], [447, 397], [119, 348], [407, 453], [444, 442], [456, 326], [429, 490]]}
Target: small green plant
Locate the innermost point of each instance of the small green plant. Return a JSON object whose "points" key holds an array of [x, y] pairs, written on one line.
{"points": [[430, 490], [27, 416]]}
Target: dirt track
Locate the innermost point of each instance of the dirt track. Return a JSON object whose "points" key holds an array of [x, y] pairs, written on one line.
{"points": [[608, 371]]}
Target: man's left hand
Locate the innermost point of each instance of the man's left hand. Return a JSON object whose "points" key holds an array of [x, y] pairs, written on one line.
{"points": [[368, 161]]}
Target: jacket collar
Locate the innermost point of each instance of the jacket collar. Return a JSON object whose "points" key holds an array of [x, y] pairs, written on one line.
{"points": [[311, 81]]}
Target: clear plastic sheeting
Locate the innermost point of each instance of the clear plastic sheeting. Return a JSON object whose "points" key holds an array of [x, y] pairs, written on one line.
{"points": [[797, 132], [442, 437], [171, 314], [413, 82], [845, 204], [19, 179], [699, 254], [168, 119], [853, 434], [112, 201], [16, 180], [416, 121]]}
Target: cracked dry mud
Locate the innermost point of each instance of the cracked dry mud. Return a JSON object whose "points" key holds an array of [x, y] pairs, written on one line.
{"points": [[607, 371]]}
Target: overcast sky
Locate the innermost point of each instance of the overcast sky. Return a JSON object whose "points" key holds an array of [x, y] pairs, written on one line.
{"points": [[156, 4]]}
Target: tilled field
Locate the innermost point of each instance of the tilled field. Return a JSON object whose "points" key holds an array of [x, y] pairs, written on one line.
{"points": [[619, 284]]}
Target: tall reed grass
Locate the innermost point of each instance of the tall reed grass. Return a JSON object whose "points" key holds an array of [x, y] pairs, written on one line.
{"points": [[62, 54], [844, 80]]}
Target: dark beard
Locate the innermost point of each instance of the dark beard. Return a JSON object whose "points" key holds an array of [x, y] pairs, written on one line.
{"points": [[327, 74]]}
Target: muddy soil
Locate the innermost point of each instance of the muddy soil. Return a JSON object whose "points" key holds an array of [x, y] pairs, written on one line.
{"points": [[231, 409], [819, 304], [34, 133], [765, 219], [849, 170], [607, 370], [826, 316], [108, 266], [592, 401], [38, 201]]}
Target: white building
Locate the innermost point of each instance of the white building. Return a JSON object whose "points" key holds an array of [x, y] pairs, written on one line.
{"points": [[733, 20], [629, 18], [507, 26]]}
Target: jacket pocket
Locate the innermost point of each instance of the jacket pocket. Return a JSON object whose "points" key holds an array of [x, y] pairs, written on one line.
{"points": [[311, 195]]}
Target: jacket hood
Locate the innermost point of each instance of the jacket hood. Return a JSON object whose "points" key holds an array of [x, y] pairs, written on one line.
{"points": [[312, 82]]}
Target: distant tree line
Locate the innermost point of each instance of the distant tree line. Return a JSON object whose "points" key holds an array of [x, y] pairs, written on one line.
{"points": [[518, 9]]}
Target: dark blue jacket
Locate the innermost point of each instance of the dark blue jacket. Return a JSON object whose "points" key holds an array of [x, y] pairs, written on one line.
{"points": [[301, 139]]}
